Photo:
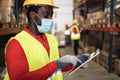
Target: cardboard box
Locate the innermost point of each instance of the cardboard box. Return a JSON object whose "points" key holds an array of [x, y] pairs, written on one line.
{"points": [[117, 66], [5, 15], [106, 46], [22, 18], [6, 3], [98, 15], [89, 49], [89, 15], [103, 59], [60, 38]]}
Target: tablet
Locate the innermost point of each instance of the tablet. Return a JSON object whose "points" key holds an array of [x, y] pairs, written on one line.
{"points": [[92, 55]]}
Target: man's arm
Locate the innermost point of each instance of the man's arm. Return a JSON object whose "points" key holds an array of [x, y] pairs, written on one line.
{"points": [[18, 68]]}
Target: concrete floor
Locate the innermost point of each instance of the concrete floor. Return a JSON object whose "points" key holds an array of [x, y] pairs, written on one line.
{"points": [[94, 71]]}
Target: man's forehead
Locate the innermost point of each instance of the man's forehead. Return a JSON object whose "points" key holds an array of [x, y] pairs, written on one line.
{"points": [[46, 8]]}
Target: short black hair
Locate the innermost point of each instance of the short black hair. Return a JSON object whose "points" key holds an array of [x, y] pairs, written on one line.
{"points": [[31, 8]]}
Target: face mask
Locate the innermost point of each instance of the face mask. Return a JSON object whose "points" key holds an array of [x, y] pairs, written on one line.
{"points": [[46, 25]]}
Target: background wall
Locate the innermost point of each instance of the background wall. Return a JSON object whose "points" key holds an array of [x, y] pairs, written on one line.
{"points": [[62, 15]]}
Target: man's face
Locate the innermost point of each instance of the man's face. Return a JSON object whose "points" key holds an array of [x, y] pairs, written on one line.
{"points": [[44, 12]]}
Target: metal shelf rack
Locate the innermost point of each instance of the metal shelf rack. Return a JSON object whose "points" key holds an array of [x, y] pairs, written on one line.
{"points": [[111, 29]]}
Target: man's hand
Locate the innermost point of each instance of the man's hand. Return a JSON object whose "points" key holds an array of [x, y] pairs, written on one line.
{"points": [[66, 60], [61, 64], [69, 59], [84, 57]]}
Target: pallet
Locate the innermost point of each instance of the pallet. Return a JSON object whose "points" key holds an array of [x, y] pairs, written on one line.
{"points": [[117, 67], [103, 59]]}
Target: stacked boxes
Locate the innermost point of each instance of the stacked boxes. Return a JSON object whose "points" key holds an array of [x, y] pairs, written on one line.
{"points": [[6, 3], [95, 19], [22, 19], [101, 19], [5, 15], [5, 10], [60, 38]]}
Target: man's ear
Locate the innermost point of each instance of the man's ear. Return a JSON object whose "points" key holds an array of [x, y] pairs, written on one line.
{"points": [[32, 15]]}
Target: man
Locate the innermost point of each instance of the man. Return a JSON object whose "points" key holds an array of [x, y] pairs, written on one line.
{"points": [[33, 53], [67, 35], [75, 36]]}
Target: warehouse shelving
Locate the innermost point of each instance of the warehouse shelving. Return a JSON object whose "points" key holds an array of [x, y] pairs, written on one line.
{"points": [[110, 30], [12, 26], [7, 31], [10, 23]]}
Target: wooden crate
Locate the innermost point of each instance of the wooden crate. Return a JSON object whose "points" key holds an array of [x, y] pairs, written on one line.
{"points": [[89, 49], [98, 15], [103, 59], [96, 59], [117, 66]]}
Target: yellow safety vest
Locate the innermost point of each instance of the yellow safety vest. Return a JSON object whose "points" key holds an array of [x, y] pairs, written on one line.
{"points": [[67, 32], [75, 36], [37, 55]]}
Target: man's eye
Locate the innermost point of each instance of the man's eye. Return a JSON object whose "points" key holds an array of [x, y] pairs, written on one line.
{"points": [[47, 15]]}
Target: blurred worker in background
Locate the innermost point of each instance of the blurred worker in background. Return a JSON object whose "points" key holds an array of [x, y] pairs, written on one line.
{"points": [[33, 53], [75, 36], [67, 35]]}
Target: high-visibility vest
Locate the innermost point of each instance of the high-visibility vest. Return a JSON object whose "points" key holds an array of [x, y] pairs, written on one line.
{"points": [[67, 32], [75, 36], [37, 55]]}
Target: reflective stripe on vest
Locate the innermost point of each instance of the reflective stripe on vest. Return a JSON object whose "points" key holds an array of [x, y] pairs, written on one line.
{"points": [[58, 72], [35, 52], [75, 36]]}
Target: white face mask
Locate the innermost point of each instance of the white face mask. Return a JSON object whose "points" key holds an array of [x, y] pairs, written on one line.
{"points": [[46, 25]]}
